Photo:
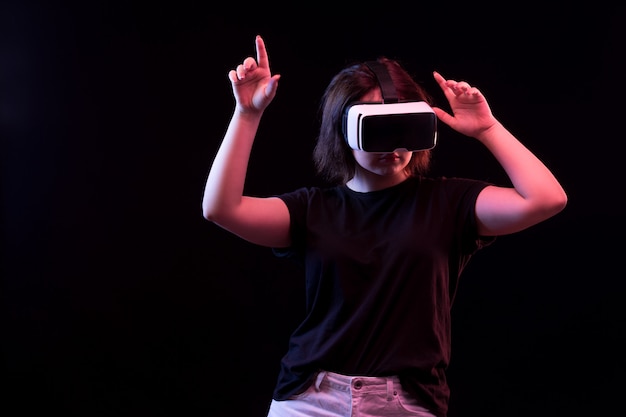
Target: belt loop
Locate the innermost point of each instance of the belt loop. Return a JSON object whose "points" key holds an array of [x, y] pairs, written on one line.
{"points": [[389, 389], [318, 380]]}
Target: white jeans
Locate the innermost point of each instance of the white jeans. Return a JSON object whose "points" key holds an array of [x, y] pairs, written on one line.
{"points": [[336, 395]]}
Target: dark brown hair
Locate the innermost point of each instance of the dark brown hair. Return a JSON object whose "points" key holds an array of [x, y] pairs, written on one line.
{"points": [[332, 156]]}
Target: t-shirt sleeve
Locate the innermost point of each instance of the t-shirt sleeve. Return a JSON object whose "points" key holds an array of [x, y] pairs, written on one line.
{"points": [[472, 240], [297, 202]]}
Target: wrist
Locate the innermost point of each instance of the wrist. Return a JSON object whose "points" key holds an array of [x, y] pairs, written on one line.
{"points": [[492, 132], [245, 114]]}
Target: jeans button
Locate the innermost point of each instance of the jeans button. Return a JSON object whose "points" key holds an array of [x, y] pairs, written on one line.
{"points": [[358, 384]]}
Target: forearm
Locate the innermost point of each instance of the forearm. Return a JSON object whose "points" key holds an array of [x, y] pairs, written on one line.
{"points": [[532, 180], [225, 183]]}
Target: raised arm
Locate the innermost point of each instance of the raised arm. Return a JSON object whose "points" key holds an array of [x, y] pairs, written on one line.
{"points": [[264, 221], [536, 194]]}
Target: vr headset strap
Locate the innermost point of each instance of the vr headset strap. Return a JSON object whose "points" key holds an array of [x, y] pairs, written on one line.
{"points": [[384, 80]]}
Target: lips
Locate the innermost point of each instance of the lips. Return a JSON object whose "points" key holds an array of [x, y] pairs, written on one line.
{"points": [[390, 157]]}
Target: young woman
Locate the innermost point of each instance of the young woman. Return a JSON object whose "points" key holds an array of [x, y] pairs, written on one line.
{"points": [[382, 248]]}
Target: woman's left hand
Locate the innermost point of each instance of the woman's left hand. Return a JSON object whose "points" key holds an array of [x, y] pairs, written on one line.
{"points": [[471, 114]]}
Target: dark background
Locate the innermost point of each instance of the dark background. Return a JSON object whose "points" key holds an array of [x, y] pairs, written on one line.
{"points": [[119, 299]]}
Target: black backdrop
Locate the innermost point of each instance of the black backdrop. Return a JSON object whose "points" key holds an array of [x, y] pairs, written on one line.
{"points": [[119, 299]]}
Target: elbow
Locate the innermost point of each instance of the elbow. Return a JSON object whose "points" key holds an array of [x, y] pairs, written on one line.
{"points": [[555, 204], [210, 215], [219, 210], [560, 202], [207, 215], [216, 213], [210, 212]]}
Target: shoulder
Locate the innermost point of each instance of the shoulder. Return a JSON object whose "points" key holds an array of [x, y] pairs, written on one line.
{"points": [[306, 195], [452, 184], [451, 192]]}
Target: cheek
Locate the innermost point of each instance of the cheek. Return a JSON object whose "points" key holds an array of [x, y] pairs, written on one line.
{"points": [[360, 157], [406, 158], [364, 159]]}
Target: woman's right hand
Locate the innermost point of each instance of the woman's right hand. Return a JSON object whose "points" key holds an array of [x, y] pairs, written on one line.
{"points": [[254, 86]]}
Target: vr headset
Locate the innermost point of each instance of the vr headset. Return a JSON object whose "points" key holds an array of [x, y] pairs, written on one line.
{"points": [[391, 125]]}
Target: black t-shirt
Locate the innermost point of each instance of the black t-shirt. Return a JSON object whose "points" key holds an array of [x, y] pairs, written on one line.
{"points": [[381, 273]]}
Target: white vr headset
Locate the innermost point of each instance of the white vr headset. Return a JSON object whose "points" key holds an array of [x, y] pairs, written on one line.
{"points": [[390, 125]]}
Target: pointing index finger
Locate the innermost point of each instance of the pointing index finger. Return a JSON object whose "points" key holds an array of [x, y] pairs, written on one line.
{"points": [[261, 53], [439, 79]]}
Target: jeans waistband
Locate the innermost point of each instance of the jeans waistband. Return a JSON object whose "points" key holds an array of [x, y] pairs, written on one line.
{"points": [[356, 384]]}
